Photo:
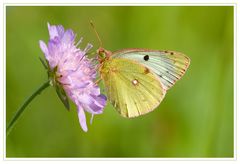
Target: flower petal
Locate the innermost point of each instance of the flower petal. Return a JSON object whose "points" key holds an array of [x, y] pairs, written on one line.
{"points": [[82, 118], [95, 109], [60, 30], [81, 85], [85, 99], [53, 46], [43, 47], [68, 37], [52, 31], [95, 90], [102, 99]]}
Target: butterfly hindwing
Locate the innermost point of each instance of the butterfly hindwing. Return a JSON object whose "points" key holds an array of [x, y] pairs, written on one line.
{"points": [[131, 87], [170, 66]]}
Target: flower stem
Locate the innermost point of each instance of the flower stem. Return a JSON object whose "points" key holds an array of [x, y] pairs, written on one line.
{"points": [[21, 109]]}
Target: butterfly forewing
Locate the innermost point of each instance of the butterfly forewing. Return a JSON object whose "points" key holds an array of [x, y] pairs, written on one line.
{"points": [[170, 66], [131, 87]]}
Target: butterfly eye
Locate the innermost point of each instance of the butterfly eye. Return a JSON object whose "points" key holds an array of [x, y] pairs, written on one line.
{"points": [[101, 53], [146, 57], [100, 50]]}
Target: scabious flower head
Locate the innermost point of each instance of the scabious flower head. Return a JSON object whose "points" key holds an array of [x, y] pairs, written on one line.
{"points": [[73, 71]]}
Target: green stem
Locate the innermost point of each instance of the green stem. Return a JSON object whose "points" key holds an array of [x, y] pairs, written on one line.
{"points": [[21, 109]]}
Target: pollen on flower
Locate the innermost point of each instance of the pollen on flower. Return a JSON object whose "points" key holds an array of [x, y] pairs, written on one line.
{"points": [[75, 69]]}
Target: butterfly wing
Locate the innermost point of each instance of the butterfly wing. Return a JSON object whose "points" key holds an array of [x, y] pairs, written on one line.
{"points": [[131, 87], [170, 66]]}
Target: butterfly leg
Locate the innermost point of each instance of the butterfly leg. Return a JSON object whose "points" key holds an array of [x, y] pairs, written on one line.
{"points": [[97, 81]]}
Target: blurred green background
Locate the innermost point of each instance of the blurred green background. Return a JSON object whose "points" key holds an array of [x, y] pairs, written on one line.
{"points": [[194, 120]]}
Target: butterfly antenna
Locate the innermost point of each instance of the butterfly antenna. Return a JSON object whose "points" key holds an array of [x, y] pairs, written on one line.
{"points": [[94, 29]]}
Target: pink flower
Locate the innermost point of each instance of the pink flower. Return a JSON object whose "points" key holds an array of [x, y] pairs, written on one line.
{"points": [[70, 68]]}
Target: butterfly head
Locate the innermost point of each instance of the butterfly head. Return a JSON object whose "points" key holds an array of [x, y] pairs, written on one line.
{"points": [[103, 54]]}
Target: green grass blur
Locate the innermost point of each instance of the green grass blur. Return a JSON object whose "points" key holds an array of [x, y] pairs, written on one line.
{"points": [[194, 120]]}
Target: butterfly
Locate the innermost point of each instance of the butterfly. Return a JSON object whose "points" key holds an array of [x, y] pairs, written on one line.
{"points": [[136, 80]]}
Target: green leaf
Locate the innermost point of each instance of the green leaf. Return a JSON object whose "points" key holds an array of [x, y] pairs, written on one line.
{"points": [[43, 63], [62, 95]]}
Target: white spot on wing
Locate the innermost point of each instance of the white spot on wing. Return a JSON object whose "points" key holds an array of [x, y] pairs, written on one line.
{"points": [[135, 82]]}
